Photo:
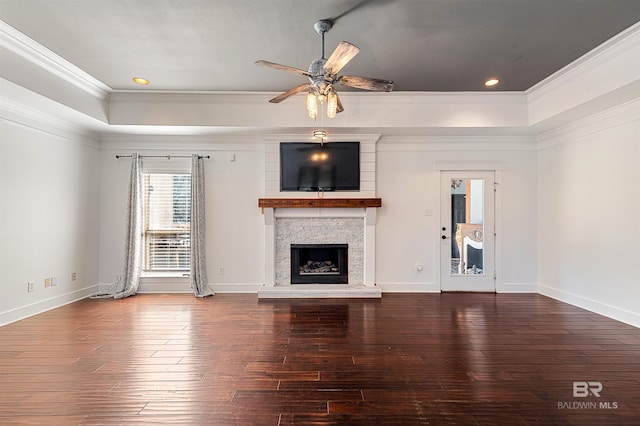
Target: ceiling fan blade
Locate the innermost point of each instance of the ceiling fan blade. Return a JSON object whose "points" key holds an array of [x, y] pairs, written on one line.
{"points": [[340, 57], [282, 67], [373, 84], [281, 97]]}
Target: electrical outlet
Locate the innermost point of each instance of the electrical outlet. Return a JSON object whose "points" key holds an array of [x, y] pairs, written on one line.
{"points": [[419, 268], [31, 286], [74, 276], [54, 281], [47, 282], [221, 270]]}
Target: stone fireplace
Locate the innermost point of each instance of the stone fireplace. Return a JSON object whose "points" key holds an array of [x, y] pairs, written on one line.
{"points": [[318, 231], [333, 237]]}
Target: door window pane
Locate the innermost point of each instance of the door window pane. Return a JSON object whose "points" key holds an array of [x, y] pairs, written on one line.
{"points": [[467, 222]]}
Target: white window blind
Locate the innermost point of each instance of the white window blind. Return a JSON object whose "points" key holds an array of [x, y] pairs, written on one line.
{"points": [[167, 205]]}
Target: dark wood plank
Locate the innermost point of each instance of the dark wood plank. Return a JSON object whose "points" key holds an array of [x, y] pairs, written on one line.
{"points": [[486, 359], [319, 202]]}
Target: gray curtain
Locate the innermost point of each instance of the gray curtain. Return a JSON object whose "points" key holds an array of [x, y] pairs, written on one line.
{"points": [[133, 244], [199, 281]]}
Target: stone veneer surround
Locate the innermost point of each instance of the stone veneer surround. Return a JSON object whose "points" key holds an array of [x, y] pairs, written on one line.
{"points": [[319, 230]]}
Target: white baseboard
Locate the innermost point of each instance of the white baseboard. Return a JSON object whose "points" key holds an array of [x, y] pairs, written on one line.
{"points": [[517, 288], [236, 287], [613, 312], [45, 305], [179, 286], [396, 287], [102, 288]]}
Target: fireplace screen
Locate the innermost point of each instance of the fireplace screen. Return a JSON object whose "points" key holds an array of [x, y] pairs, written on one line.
{"points": [[319, 264]]}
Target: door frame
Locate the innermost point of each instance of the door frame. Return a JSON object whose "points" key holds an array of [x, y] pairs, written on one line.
{"points": [[471, 166]]}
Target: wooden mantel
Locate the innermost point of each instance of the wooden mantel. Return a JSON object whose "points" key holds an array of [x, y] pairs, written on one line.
{"points": [[318, 202]]}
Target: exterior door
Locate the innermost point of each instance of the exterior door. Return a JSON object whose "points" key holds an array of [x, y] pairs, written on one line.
{"points": [[467, 231]]}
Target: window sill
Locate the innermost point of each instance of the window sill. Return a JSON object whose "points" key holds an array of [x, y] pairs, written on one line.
{"points": [[177, 274]]}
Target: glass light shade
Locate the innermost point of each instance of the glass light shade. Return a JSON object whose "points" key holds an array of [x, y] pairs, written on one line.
{"points": [[312, 105], [332, 105]]}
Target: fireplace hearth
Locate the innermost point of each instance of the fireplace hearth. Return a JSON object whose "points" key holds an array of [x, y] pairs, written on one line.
{"points": [[319, 264]]}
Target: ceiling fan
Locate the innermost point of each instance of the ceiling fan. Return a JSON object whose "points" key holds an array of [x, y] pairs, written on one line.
{"points": [[323, 75]]}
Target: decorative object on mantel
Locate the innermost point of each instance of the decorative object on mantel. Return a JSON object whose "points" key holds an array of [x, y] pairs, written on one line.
{"points": [[283, 203], [323, 76]]}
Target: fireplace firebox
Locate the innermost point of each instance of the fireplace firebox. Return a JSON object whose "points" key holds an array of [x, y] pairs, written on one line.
{"points": [[319, 264]]}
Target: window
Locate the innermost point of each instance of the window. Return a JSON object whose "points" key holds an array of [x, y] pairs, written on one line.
{"points": [[167, 222]]}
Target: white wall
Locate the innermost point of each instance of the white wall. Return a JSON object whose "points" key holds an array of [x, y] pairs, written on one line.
{"points": [[408, 184], [49, 187], [589, 209], [235, 227]]}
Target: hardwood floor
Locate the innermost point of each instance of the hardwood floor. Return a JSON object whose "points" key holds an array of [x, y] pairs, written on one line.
{"points": [[400, 360]]}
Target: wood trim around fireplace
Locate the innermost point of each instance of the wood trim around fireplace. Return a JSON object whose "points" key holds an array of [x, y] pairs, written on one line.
{"points": [[318, 202]]}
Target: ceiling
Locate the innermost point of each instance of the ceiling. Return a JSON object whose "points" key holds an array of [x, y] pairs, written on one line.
{"points": [[422, 45]]}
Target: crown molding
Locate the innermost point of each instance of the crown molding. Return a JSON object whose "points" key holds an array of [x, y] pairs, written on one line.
{"points": [[21, 115], [19, 44], [605, 76], [457, 143], [189, 142], [592, 59], [578, 130]]}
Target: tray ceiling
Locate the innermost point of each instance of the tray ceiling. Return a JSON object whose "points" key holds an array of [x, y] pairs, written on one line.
{"points": [[423, 45]]}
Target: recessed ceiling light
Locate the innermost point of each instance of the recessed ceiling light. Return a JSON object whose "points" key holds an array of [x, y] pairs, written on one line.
{"points": [[491, 82], [141, 80]]}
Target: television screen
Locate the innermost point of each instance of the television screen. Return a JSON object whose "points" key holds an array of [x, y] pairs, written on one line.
{"points": [[308, 166]]}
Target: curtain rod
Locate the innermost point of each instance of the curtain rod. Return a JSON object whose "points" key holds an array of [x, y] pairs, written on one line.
{"points": [[168, 157]]}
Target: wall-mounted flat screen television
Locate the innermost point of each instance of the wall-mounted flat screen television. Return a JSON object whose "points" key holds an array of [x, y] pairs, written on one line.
{"points": [[308, 166]]}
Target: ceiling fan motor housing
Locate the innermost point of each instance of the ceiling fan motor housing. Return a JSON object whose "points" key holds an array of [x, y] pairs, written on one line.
{"points": [[318, 76]]}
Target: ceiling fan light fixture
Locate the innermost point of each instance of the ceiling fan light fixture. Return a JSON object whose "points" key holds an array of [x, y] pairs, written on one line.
{"points": [[493, 81], [312, 105], [332, 104]]}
